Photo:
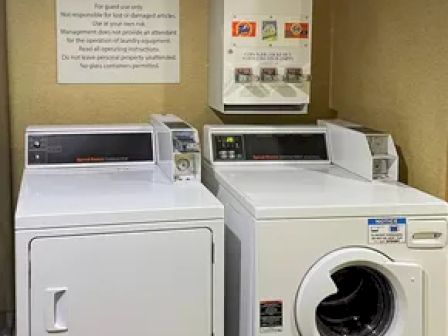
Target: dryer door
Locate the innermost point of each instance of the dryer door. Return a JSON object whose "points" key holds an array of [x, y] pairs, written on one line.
{"points": [[359, 291], [142, 283]]}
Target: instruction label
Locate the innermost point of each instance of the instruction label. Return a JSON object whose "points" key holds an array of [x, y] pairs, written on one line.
{"points": [[387, 230], [271, 316], [119, 41], [273, 56]]}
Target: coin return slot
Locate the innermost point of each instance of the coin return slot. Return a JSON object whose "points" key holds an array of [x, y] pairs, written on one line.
{"points": [[244, 75], [293, 75], [269, 75]]}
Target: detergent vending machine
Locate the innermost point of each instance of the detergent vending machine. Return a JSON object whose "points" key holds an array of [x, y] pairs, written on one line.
{"points": [[260, 56]]}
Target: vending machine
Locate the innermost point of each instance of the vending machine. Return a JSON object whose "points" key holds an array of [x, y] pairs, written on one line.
{"points": [[260, 56]]}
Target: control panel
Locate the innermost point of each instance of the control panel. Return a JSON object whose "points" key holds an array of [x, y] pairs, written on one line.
{"points": [[78, 148], [270, 147], [229, 147]]}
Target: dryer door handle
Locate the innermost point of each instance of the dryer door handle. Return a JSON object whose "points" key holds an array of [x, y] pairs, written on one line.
{"points": [[56, 321]]}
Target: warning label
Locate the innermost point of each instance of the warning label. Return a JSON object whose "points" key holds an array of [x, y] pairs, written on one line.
{"points": [[271, 316], [387, 230]]}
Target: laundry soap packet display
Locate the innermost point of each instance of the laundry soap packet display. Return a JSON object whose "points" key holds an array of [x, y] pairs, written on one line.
{"points": [[268, 59]]}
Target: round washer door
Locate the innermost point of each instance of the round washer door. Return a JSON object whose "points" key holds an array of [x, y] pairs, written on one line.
{"points": [[359, 291]]}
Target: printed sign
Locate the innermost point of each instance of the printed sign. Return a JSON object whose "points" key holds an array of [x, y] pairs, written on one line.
{"points": [[270, 31], [271, 316], [387, 230], [120, 41], [298, 30], [244, 29]]}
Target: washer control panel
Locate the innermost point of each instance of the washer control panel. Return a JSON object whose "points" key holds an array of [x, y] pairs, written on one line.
{"points": [[228, 147]]}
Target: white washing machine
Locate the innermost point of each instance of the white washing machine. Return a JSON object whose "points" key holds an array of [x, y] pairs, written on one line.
{"points": [[313, 249], [107, 245]]}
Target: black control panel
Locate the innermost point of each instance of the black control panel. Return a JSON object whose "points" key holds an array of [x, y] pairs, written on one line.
{"points": [[270, 147], [54, 149], [229, 147]]}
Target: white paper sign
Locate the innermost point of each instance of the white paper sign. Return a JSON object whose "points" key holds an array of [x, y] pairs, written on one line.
{"points": [[118, 41]]}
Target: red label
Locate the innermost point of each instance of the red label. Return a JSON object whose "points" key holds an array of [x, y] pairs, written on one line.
{"points": [[266, 157], [91, 159], [244, 29], [298, 30]]}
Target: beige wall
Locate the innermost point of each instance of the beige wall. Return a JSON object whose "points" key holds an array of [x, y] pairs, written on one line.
{"points": [[37, 99], [390, 71], [5, 206]]}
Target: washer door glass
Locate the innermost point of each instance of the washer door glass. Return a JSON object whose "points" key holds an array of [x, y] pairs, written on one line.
{"points": [[363, 305], [360, 292]]}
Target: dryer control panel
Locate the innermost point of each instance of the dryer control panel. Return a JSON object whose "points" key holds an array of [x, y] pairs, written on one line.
{"points": [[260, 144], [88, 145]]}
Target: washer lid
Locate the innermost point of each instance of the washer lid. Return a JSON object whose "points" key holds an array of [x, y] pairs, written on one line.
{"points": [[358, 291], [310, 191], [68, 197]]}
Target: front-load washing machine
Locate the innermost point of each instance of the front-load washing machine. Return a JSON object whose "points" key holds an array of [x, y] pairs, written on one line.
{"points": [[107, 245], [313, 249]]}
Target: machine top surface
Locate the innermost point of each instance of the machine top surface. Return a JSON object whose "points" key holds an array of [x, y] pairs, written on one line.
{"points": [[69, 197], [322, 190], [100, 175]]}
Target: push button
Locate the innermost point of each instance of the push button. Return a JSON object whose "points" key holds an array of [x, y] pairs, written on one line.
{"points": [[223, 155]]}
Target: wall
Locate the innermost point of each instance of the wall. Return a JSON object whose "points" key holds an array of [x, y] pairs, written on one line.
{"points": [[37, 99], [5, 206], [389, 71]]}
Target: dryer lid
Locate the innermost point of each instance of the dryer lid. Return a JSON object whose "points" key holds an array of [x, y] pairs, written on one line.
{"points": [[359, 291]]}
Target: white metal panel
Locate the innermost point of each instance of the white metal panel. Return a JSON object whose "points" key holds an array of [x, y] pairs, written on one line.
{"points": [[79, 197], [23, 240], [147, 283], [240, 268], [300, 191], [287, 249], [351, 150]]}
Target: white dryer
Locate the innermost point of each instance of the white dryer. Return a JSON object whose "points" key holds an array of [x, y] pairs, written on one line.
{"points": [[107, 245], [315, 250]]}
